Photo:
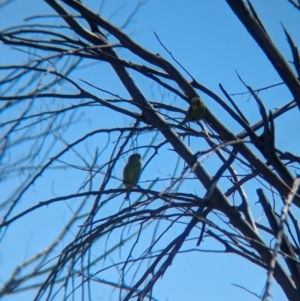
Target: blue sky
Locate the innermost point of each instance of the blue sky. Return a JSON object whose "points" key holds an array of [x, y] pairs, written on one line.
{"points": [[211, 43]]}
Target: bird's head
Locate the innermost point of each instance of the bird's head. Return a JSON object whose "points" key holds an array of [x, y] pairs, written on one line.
{"points": [[196, 103], [134, 158]]}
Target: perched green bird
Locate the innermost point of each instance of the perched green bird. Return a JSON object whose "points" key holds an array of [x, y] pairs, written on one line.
{"points": [[195, 111], [132, 172]]}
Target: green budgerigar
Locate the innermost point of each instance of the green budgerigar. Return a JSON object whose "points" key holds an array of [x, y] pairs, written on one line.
{"points": [[132, 172], [195, 111]]}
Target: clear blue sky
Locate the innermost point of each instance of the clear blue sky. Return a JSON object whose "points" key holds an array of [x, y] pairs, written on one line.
{"points": [[211, 43]]}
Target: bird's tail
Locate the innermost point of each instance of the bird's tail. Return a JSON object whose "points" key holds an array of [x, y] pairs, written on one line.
{"points": [[128, 190]]}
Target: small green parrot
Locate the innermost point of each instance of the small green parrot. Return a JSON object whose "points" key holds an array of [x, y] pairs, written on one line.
{"points": [[132, 172], [195, 111]]}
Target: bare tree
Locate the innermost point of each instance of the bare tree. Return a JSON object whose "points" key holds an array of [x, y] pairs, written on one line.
{"points": [[44, 108]]}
